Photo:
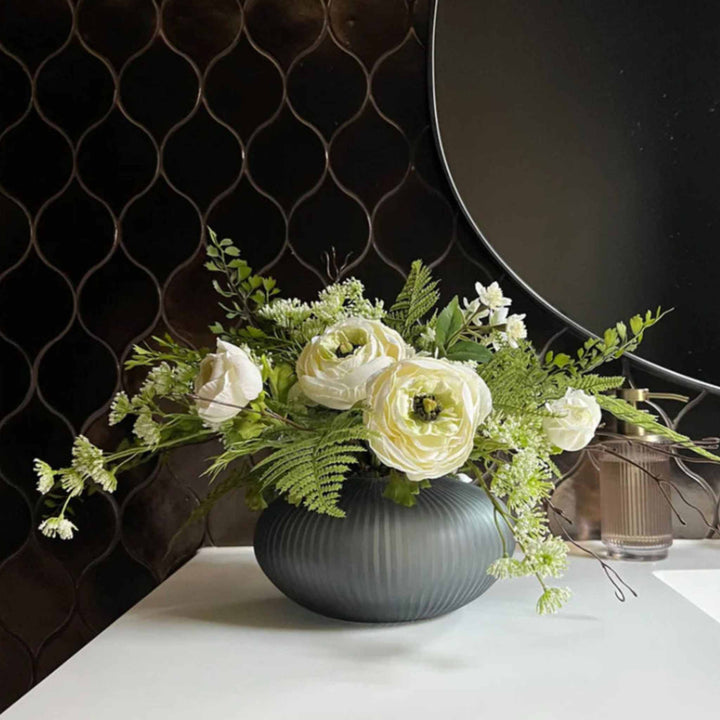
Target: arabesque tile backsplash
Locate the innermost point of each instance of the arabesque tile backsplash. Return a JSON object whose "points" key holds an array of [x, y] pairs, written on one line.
{"points": [[126, 128]]}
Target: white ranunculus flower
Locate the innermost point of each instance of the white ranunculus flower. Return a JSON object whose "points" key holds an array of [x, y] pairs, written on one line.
{"points": [[576, 417], [333, 368], [227, 376], [423, 414]]}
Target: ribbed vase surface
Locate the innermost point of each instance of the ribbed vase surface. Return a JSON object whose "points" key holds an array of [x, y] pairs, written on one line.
{"points": [[383, 562]]}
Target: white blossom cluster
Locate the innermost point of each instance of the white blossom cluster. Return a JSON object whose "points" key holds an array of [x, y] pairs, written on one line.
{"points": [[57, 527], [146, 429], [524, 481], [552, 600], [88, 464], [490, 310], [340, 301]]}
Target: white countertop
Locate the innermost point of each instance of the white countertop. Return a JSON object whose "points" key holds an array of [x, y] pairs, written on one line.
{"points": [[217, 641]]}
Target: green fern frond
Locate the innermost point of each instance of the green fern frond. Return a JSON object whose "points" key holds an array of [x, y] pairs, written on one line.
{"points": [[311, 471], [589, 383], [417, 298], [629, 413]]}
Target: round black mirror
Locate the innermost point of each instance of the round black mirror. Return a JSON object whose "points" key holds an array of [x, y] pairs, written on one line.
{"points": [[582, 138]]}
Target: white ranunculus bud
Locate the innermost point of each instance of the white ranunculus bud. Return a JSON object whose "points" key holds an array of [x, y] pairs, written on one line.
{"points": [[333, 368], [423, 414], [227, 376], [575, 419]]}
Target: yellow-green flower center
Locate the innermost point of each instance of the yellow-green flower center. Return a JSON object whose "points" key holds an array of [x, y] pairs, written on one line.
{"points": [[426, 407], [345, 349]]}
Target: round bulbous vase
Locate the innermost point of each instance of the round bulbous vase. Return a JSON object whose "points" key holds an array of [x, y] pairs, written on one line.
{"points": [[383, 562]]}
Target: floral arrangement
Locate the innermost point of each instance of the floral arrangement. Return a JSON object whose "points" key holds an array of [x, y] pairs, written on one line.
{"points": [[303, 395]]}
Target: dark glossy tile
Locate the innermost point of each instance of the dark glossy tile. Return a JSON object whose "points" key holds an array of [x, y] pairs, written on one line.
{"points": [[77, 375], [75, 232], [62, 646], [414, 222], [202, 158], [111, 587], [16, 232], [14, 378], [117, 160], [371, 28], [117, 30], [286, 158], [75, 89], [257, 88], [159, 89], [161, 229], [34, 29], [34, 143], [421, 10], [369, 156], [119, 301], [399, 88], [327, 86], [315, 222], [37, 597], [24, 316], [152, 520], [200, 29], [296, 279], [16, 669], [190, 301], [255, 222], [34, 431], [16, 520], [284, 29], [16, 90], [380, 279], [98, 525]]}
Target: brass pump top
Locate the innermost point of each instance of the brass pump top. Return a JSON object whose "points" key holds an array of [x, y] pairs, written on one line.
{"points": [[636, 395]]}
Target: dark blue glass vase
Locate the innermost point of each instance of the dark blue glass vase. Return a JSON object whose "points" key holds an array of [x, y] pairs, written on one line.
{"points": [[383, 562]]}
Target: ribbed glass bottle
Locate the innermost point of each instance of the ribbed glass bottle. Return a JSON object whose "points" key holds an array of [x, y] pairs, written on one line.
{"points": [[636, 519]]}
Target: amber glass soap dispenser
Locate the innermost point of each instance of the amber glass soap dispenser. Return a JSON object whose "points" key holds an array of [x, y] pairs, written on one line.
{"points": [[636, 517]]}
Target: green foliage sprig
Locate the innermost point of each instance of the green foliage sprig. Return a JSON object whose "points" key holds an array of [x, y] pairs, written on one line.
{"points": [[417, 298], [613, 344], [244, 293]]}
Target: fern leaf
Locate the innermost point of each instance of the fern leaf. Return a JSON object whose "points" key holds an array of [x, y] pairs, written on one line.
{"points": [[629, 413], [417, 298], [310, 472], [589, 383]]}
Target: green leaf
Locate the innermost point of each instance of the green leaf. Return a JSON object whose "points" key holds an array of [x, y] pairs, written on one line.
{"points": [[403, 491], [469, 350], [232, 251], [636, 324], [281, 378], [449, 322], [212, 251]]}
